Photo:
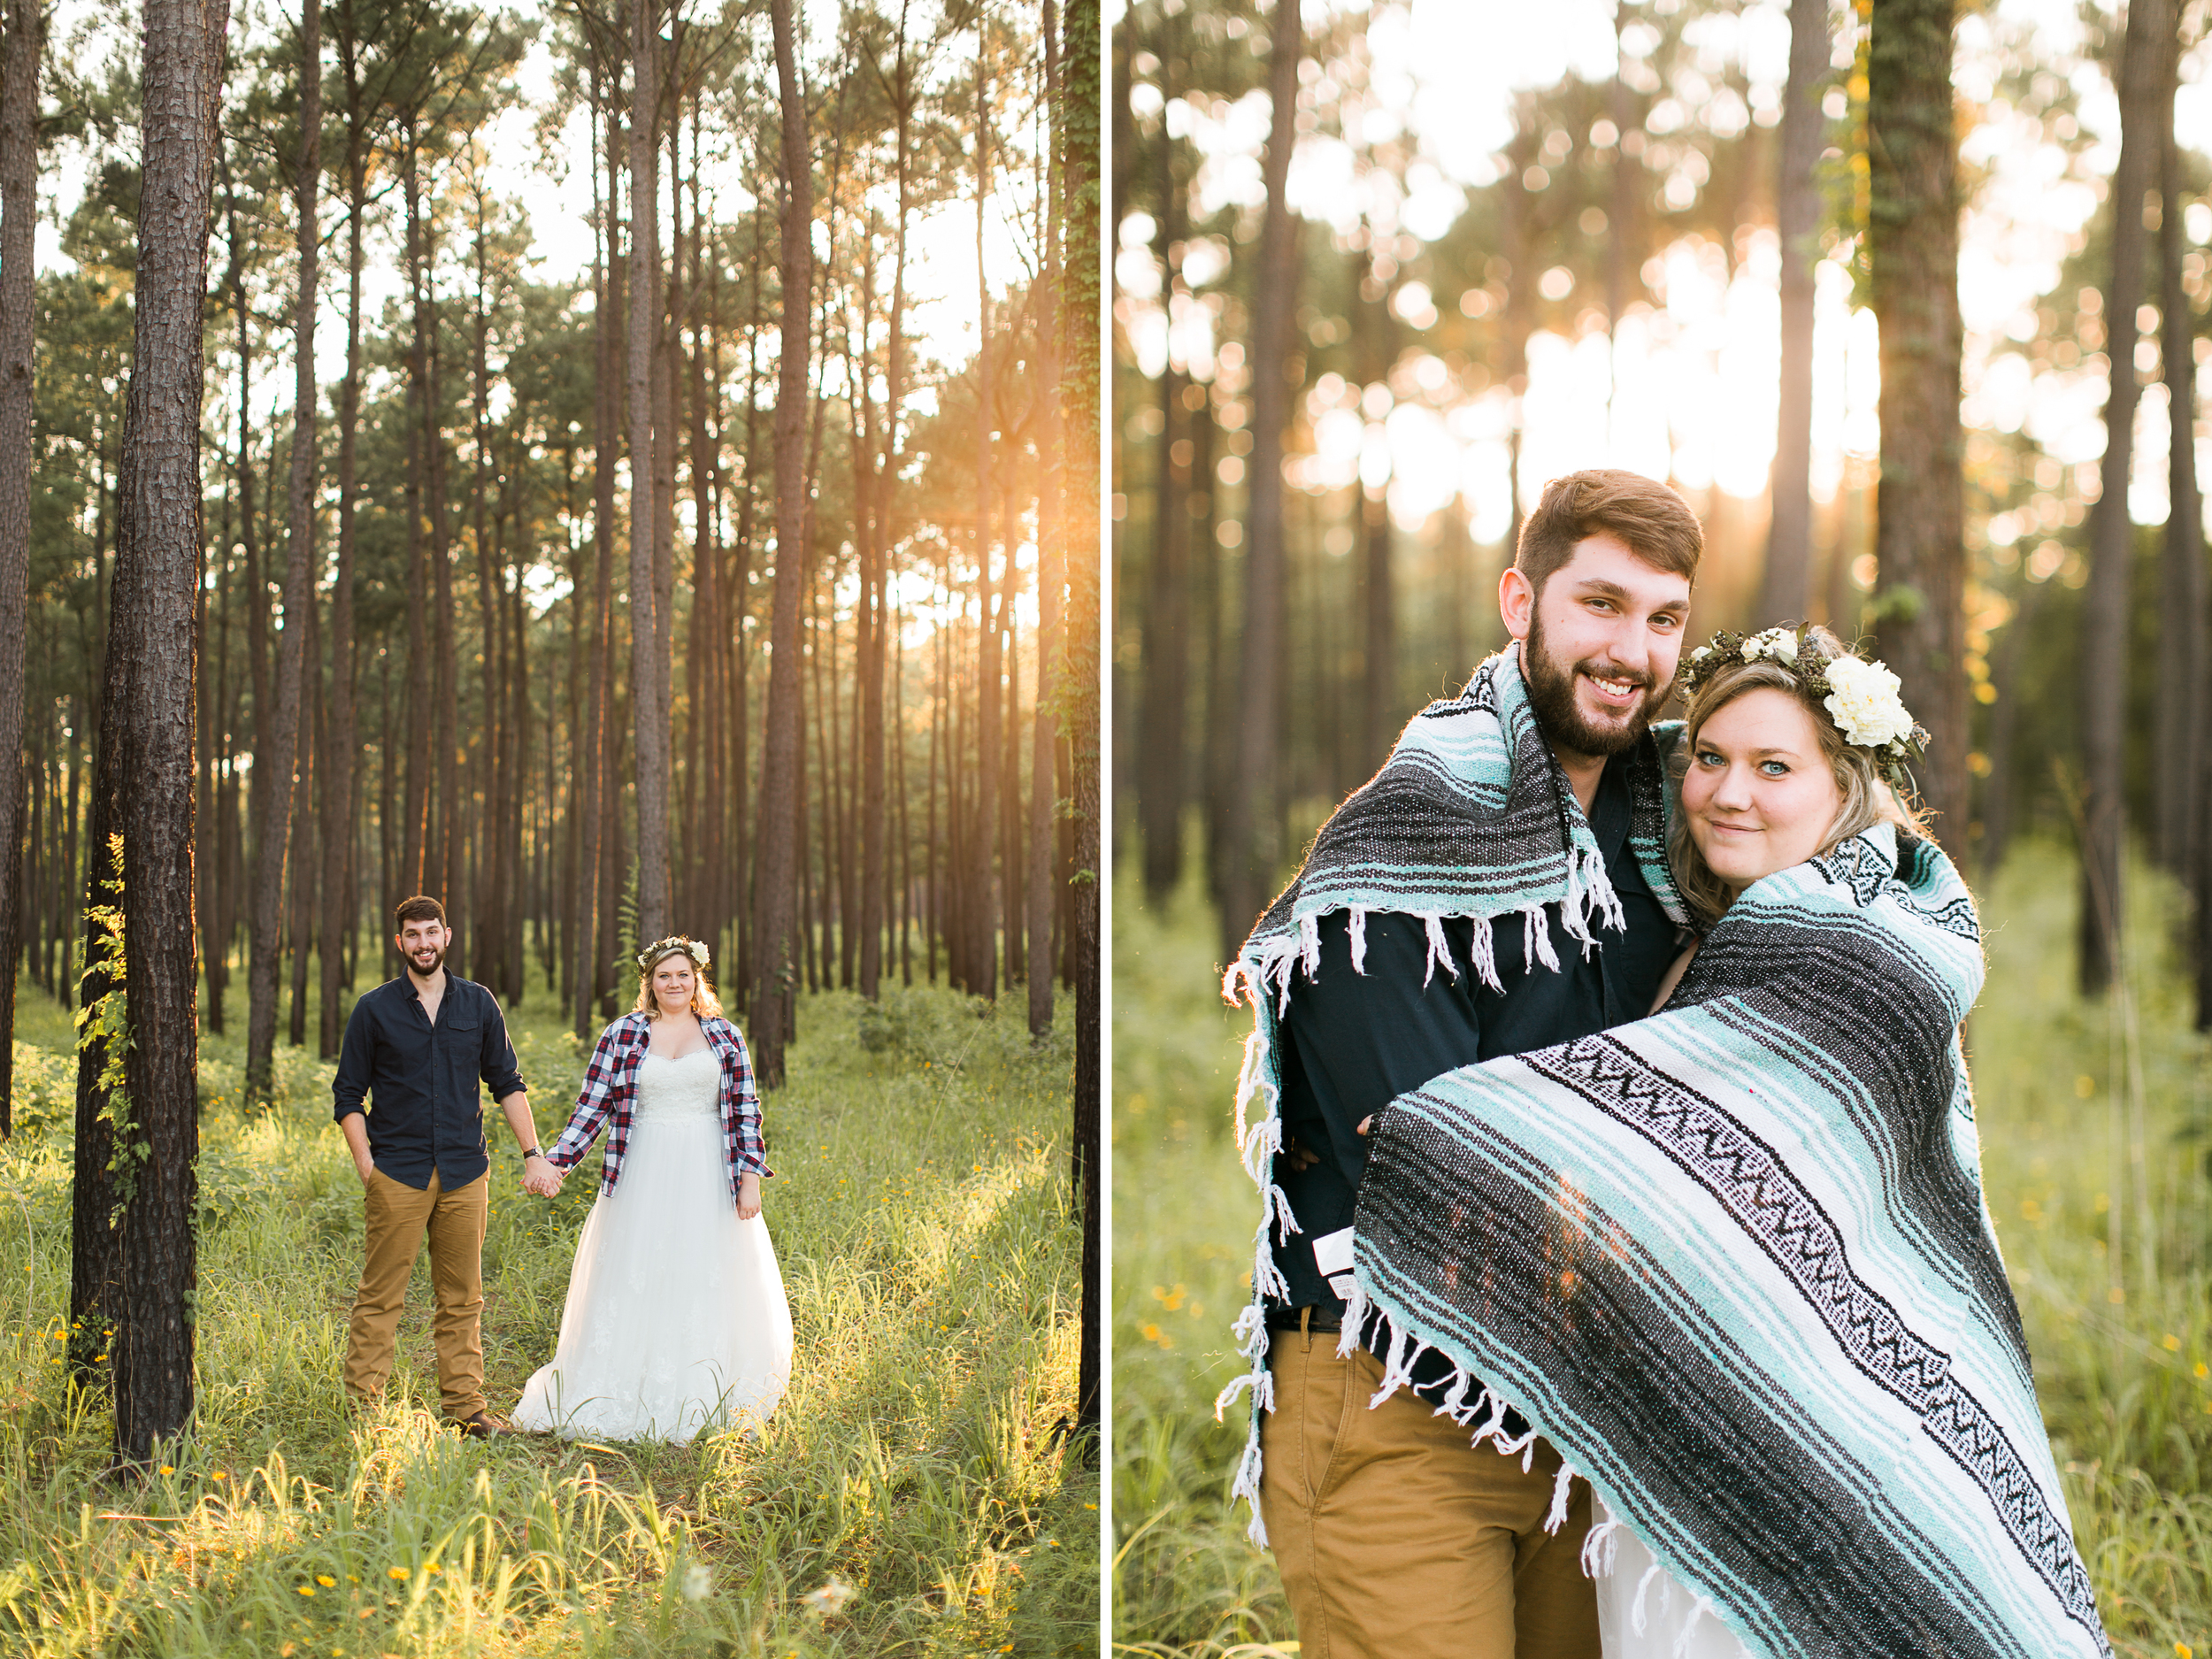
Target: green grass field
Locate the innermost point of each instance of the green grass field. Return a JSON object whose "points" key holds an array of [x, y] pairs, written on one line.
{"points": [[912, 1495], [2093, 1121]]}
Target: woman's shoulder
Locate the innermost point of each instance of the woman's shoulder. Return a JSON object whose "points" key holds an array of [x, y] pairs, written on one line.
{"points": [[626, 1025], [720, 1025]]}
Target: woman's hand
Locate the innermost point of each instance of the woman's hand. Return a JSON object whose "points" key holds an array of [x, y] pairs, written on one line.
{"points": [[748, 1196]]}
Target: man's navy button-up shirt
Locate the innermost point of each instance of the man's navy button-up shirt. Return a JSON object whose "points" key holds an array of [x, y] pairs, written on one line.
{"points": [[425, 1112]]}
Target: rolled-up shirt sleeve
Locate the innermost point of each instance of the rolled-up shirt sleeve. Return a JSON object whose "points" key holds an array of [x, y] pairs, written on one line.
{"points": [[350, 1085], [749, 1151], [501, 1074], [594, 1100]]}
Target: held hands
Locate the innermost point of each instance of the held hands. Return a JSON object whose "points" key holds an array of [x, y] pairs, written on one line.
{"points": [[540, 1179], [748, 1196]]}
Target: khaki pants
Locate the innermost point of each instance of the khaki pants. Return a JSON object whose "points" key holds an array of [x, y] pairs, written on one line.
{"points": [[1399, 1539], [398, 1217]]}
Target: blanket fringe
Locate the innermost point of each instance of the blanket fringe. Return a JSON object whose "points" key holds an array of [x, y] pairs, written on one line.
{"points": [[1636, 1614], [1439, 949], [1487, 956], [1600, 1544], [1556, 1517]]}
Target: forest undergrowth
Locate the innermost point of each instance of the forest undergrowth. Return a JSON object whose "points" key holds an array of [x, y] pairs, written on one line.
{"points": [[915, 1493], [2096, 1127]]}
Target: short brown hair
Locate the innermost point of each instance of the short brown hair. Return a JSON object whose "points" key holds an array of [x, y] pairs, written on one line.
{"points": [[1868, 798], [1651, 518], [421, 908]]}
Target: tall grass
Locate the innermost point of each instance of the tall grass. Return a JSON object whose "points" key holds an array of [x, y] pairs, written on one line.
{"points": [[2094, 1121], [914, 1493]]}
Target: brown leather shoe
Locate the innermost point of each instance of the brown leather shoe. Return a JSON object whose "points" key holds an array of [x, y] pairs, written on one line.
{"points": [[482, 1426]]}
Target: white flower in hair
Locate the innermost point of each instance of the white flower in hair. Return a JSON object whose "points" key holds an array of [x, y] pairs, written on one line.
{"points": [[1862, 700], [1780, 643]]}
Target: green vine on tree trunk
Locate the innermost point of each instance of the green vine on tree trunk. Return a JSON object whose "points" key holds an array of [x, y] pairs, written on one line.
{"points": [[106, 1020]]}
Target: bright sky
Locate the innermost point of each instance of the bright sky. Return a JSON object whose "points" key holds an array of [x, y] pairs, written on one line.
{"points": [[1697, 373]]}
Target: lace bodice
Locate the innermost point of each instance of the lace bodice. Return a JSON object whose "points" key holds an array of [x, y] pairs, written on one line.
{"points": [[688, 1088]]}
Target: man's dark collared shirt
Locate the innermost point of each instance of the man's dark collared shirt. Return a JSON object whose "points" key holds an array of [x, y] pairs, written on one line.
{"points": [[1352, 1042], [424, 1112]]}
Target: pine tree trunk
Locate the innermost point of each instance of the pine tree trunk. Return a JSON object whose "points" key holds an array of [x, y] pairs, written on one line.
{"points": [[1249, 831], [1052, 554], [1161, 717], [1786, 593], [1378, 689], [2104, 623], [646, 628], [2181, 622], [279, 784], [776, 865], [414, 847], [982, 918], [1920, 508], [21, 60], [338, 917], [594, 770], [158, 545], [1079, 195]]}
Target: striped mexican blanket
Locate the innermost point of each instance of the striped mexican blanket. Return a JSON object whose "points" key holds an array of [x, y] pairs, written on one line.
{"points": [[1471, 817], [1733, 1261]]}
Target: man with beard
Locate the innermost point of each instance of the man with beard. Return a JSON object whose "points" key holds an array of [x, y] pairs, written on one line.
{"points": [[1499, 886], [418, 1046]]}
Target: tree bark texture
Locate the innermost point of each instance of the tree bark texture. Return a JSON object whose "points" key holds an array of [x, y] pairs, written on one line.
{"points": [[776, 866], [2180, 732], [338, 785], [648, 633], [1251, 827], [982, 917], [1162, 696], [1913, 232], [1051, 563], [283, 757], [1081, 312], [158, 540], [2104, 619], [21, 52], [1786, 593]]}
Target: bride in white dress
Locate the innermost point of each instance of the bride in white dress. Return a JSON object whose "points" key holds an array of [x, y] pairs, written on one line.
{"points": [[676, 1320]]}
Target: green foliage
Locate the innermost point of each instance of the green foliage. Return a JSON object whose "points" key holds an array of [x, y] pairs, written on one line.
{"points": [[931, 1257], [2092, 1120], [103, 1027]]}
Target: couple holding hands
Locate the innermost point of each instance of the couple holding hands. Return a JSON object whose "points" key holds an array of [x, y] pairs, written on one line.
{"points": [[676, 1320], [1615, 1117]]}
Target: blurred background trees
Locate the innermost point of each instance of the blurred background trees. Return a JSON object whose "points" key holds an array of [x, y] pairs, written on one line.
{"points": [[1853, 278]]}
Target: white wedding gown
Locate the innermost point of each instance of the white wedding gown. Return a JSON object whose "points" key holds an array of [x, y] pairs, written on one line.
{"points": [[676, 1319], [1667, 1607]]}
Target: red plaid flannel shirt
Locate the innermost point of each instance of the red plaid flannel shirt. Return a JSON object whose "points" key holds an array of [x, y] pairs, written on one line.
{"points": [[610, 1093]]}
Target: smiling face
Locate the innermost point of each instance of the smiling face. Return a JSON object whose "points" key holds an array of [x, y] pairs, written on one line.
{"points": [[1761, 794], [422, 945], [1600, 644], [674, 981]]}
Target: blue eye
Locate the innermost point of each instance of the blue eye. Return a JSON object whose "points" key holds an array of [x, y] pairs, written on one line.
{"points": [[1774, 768], [1706, 757]]}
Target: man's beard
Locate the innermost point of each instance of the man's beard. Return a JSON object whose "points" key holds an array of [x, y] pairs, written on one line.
{"points": [[421, 973], [1551, 693]]}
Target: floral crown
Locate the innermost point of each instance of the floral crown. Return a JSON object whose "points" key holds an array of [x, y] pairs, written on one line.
{"points": [[1861, 697], [700, 956]]}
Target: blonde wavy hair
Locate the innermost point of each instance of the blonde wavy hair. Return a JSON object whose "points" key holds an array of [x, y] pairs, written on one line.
{"points": [[1868, 798], [704, 1002]]}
